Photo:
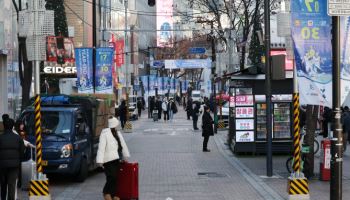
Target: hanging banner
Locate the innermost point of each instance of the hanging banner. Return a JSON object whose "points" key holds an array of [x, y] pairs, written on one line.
{"points": [[119, 52], [177, 85], [103, 77], [165, 23], [167, 84], [160, 84], [188, 64], [144, 80], [152, 79], [183, 87], [83, 63], [345, 60], [173, 85], [311, 33]]}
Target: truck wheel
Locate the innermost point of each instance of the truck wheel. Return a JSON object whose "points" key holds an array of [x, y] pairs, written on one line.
{"points": [[83, 171]]}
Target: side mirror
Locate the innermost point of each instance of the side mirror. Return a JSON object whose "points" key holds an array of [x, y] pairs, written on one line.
{"points": [[80, 128]]}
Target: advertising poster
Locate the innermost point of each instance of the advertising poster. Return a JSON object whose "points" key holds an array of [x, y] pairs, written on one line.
{"points": [[51, 49], [244, 136], [244, 124], [183, 87], [244, 112], [165, 23], [83, 63], [311, 34], [68, 50], [104, 62]]}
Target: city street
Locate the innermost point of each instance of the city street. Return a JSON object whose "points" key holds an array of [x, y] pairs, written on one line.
{"points": [[173, 166]]}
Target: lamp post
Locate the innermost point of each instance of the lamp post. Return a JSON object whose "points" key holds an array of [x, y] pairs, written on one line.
{"points": [[128, 126]]}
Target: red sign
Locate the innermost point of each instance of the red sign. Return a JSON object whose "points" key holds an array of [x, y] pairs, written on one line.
{"points": [[232, 101], [244, 100], [119, 52], [245, 112]]}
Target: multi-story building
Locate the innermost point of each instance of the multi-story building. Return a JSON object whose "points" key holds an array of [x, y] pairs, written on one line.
{"points": [[9, 81]]}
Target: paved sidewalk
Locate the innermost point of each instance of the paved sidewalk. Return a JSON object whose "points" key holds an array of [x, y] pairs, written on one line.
{"points": [[257, 165], [172, 166]]}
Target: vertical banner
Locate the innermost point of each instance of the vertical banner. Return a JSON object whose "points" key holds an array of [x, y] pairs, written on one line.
{"points": [[144, 80], [311, 33], [152, 83], [165, 23], [167, 83], [177, 85], [119, 52], [160, 85], [83, 63], [345, 60], [103, 74], [173, 85]]}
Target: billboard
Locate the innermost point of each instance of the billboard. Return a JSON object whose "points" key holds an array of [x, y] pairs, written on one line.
{"points": [[165, 21]]}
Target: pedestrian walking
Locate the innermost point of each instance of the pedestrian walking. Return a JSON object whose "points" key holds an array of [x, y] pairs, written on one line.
{"points": [[327, 119], [143, 103], [165, 109], [195, 114], [139, 107], [112, 150], [159, 106], [11, 153], [151, 106], [172, 110], [122, 113], [207, 126], [189, 108]]}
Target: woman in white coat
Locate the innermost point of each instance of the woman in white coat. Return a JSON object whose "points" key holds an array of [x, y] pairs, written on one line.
{"points": [[112, 150]]}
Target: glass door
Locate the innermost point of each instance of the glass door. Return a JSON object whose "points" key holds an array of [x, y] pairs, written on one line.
{"points": [[281, 121], [261, 121]]}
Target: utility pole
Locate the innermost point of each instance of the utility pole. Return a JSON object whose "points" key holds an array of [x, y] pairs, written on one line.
{"points": [[213, 72], [337, 141], [268, 89], [128, 126], [94, 42]]}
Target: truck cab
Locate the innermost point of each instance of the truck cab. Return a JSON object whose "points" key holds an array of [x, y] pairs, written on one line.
{"points": [[69, 134]]}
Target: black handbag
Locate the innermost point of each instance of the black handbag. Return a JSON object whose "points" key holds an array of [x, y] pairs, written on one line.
{"points": [[120, 148]]}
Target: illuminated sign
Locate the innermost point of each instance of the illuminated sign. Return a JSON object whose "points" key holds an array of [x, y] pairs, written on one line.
{"points": [[60, 70]]}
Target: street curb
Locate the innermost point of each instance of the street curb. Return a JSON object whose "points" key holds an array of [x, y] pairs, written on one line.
{"points": [[258, 184]]}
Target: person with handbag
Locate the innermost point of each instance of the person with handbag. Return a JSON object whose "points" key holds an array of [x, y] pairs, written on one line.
{"points": [[112, 150], [207, 126]]}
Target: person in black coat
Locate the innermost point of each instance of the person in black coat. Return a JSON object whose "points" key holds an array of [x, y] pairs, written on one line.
{"points": [[11, 153], [195, 114], [159, 107], [122, 113], [207, 126], [189, 108], [139, 107]]}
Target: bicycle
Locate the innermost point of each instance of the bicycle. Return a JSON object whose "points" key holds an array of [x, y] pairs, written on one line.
{"points": [[290, 160]]}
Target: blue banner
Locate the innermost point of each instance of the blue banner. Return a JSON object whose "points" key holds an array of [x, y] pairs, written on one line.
{"points": [[311, 34], [345, 60], [167, 83], [103, 77], [144, 80], [160, 85], [83, 62], [188, 64], [173, 85]]}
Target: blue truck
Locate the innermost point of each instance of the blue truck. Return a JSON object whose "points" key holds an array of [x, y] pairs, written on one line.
{"points": [[70, 126]]}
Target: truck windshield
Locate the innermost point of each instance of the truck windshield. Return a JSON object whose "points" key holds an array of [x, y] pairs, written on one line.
{"points": [[52, 123]]}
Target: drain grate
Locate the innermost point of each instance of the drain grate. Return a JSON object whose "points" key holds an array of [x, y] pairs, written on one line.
{"points": [[211, 175]]}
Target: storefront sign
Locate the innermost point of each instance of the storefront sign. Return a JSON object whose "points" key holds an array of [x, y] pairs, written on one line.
{"points": [[245, 112], [60, 70], [244, 136], [244, 124], [244, 100]]}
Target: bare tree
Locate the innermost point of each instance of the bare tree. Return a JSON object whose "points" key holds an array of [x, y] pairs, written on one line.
{"points": [[239, 15]]}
